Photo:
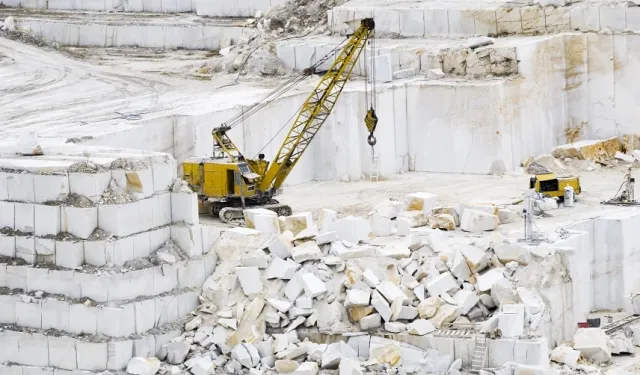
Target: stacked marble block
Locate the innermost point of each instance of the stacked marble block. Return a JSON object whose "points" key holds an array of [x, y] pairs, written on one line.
{"points": [[405, 58], [154, 6], [213, 8], [487, 19], [59, 275]]}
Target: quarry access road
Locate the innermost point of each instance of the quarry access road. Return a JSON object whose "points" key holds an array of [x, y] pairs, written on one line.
{"points": [[43, 86]]}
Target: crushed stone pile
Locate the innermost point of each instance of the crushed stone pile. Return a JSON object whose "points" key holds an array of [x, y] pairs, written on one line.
{"points": [[282, 281], [588, 155], [256, 55]]}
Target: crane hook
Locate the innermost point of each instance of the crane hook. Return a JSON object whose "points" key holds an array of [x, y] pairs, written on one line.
{"points": [[371, 140]]}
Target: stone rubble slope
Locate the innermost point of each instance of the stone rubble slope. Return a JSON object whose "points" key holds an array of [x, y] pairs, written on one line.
{"points": [[280, 279], [256, 55]]}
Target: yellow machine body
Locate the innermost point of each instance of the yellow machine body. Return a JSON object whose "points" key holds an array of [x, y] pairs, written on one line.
{"points": [[552, 185], [220, 178]]}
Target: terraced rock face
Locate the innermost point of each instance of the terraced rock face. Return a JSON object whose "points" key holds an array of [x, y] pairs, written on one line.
{"points": [[96, 266]]}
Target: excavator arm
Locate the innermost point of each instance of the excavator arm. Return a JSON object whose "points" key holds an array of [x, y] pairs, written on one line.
{"points": [[317, 108]]}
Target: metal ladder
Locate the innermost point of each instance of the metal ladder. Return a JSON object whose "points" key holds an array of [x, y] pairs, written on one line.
{"points": [[479, 354], [374, 173]]}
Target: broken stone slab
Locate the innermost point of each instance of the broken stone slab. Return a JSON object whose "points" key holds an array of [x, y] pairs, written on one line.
{"points": [[306, 251], [507, 216], [313, 286], [326, 237], [380, 226], [229, 323], [370, 278], [257, 258], [502, 293], [439, 241], [441, 284], [477, 221], [419, 292], [420, 327], [395, 252], [489, 278], [265, 348], [595, 150], [285, 366], [250, 280], [350, 366], [306, 368], [466, 300], [304, 303], [507, 252], [327, 220], [353, 252], [385, 351], [424, 202], [415, 218], [281, 269], [566, 355], [459, 267], [370, 321], [445, 315], [292, 352], [246, 354], [403, 226], [335, 353], [356, 297], [622, 345], [444, 221], [193, 323], [176, 352], [280, 305], [395, 327], [532, 300], [143, 366], [295, 286], [389, 209], [296, 312], [353, 229], [250, 214], [280, 245], [435, 74], [390, 291], [381, 305], [297, 223], [476, 258], [429, 307]]}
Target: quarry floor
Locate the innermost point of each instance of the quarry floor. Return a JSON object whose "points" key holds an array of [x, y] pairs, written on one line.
{"points": [[358, 198]]}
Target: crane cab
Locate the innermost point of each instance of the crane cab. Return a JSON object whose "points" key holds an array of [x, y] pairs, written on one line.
{"points": [[218, 179]]}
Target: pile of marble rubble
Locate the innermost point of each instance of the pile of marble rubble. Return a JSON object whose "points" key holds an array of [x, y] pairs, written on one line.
{"points": [[283, 278]]}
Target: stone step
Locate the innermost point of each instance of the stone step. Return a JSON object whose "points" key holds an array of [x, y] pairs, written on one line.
{"points": [[490, 18], [228, 8], [103, 285], [101, 29], [92, 353], [406, 58], [73, 317]]}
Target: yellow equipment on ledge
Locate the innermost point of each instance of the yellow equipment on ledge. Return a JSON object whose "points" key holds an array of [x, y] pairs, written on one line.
{"points": [[231, 182], [549, 184]]}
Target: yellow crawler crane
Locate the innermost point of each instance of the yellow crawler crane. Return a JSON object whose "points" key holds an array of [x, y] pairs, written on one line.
{"points": [[231, 182]]}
